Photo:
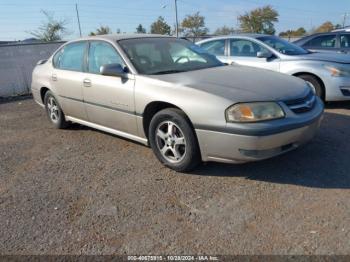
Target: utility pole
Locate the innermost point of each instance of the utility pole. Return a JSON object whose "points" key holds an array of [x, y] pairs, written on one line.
{"points": [[76, 9], [176, 20], [344, 20], [311, 24]]}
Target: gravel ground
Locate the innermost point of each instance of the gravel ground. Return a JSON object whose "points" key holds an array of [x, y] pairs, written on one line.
{"points": [[81, 191]]}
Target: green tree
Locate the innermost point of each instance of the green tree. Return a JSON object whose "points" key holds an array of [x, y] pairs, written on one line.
{"points": [[260, 20], [293, 33], [325, 27], [51, 29], [103, 30], [140, 29], [194, 25], [224, 30], [160, 27]]}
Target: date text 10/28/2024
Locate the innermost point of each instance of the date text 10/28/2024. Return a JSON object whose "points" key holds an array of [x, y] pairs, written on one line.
{"points": [[173, 258]]}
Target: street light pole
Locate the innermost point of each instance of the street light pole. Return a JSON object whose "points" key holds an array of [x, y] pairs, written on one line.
{"points": [[76, 9], [176, 20], [344, 20]]}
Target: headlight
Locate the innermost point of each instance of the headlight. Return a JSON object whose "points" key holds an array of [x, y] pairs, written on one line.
{"points": [[338, 70], [254, 112]]}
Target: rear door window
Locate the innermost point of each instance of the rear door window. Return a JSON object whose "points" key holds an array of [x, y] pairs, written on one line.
{"points": [[324, 41], [216, 47], [245, 48], [71, 57]]}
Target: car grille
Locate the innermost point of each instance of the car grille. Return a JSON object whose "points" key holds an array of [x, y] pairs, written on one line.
{"points": [[302, 105]]}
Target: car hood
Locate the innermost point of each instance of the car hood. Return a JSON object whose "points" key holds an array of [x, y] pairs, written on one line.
{"points": [[240, 83], [325, 56]]}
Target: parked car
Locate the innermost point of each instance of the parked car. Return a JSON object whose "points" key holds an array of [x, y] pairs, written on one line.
{"points": [[337, 41], [170, 94], [328, 74]]}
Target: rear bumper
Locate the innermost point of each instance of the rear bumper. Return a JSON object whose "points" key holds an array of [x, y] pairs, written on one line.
{"points": [[37, 97], [237, 148]]}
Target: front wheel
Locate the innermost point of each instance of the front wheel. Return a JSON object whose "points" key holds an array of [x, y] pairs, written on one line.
{"points": [[173, 140], [315, 85]]}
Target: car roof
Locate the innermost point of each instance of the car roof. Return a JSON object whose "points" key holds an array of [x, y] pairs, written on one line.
{"points": [[326, 33], [234, 36], [342, 30], [117, 37], [303, 39]]}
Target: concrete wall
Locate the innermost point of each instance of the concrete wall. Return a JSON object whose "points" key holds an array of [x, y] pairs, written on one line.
{"points": [[16, 65]]}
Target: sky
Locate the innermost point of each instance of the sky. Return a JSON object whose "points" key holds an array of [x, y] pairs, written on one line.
{"points": [[19, 17]]}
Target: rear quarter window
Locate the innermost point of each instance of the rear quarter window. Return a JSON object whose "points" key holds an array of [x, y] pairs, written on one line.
{"points": [[57, 58], [345, 40], [324, 41]]}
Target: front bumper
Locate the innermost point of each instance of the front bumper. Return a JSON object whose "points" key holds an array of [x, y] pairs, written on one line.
{"points": [[337, 88], [232, 147]]}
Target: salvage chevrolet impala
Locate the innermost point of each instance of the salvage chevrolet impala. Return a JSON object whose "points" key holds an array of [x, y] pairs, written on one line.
{"points": [[170, 94]]}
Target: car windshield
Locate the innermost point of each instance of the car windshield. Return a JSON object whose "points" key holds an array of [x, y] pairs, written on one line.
{"points": [[166, 55], [283, 46]]}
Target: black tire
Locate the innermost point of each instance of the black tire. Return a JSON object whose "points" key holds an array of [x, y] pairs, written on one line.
{"points": [[190, 151], [60, 121], [316, 83]]}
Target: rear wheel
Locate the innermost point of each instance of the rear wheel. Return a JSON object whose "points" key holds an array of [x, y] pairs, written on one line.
{"points": [[54, 111], [315, 84], [173, 140]]}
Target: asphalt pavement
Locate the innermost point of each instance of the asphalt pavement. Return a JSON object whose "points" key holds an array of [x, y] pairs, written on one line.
{"points": [[82, 191]]}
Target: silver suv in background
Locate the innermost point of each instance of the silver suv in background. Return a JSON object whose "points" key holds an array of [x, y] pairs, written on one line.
{"points": [[328, 74], [170, 94]]}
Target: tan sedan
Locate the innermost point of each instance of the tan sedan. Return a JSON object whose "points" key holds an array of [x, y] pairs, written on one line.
{"points": [[170, 94]]}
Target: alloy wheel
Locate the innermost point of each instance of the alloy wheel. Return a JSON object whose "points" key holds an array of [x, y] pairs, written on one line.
{"points": [[171, 141], [53, 109]]}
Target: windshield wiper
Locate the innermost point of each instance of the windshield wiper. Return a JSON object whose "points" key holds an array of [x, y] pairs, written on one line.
{"points": [[167, 72]]}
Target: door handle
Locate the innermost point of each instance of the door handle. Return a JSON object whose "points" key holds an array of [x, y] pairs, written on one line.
{"points": [[87, 82], [54, 77]]}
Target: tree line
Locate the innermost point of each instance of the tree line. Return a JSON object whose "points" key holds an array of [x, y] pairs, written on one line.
{"points": [[192, 25], [260, 20]]}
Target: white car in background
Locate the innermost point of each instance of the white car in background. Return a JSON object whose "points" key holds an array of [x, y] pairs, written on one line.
{"points": [[327, 73]]}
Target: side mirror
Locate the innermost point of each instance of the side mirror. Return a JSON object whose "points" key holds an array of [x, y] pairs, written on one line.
{"points": [[264, 54], [112, 70]]}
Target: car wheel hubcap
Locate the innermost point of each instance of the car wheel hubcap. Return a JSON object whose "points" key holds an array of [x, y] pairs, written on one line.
{"points": [[53, 109], [171, 141]]}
